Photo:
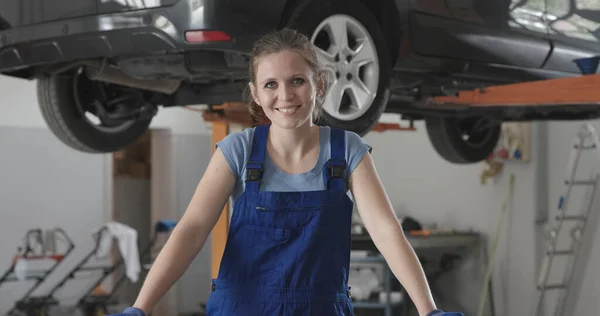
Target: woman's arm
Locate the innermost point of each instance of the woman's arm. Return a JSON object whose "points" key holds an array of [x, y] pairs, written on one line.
{"points": [[191, 232], [384, 228]]}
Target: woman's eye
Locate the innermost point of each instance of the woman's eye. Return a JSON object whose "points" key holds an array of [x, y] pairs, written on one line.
{"points": [[270, 85], [298, 81]]}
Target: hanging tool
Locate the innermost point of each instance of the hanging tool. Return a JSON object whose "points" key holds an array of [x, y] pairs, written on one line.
{"points": [[586, 140]]}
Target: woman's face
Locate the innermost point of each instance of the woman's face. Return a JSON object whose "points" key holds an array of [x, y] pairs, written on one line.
{"points": [[283, 89]]}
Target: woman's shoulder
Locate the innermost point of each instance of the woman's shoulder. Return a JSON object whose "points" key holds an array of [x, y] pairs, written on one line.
{"points": [[235, 147], [241, 138], [353, 141], [356, 142]]}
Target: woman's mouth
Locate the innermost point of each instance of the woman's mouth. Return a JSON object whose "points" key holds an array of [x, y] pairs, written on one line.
{"points": [[288, 110]]}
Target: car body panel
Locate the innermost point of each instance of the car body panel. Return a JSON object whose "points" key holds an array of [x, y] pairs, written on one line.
{"points": [[480, 31]]}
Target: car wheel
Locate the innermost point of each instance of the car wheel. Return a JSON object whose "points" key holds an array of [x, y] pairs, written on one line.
{"points": [[463, 140], [92, 116], [355, 55]]}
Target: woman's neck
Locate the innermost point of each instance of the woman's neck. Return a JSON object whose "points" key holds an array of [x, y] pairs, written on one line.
{"points": [[294, 144]]}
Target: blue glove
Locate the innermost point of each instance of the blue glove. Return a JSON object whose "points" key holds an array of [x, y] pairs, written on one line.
{"points": [[130, 311], [439, 312]]}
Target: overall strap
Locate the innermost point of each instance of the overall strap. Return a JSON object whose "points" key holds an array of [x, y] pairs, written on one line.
{"points": [[255, 164], [334, 171]]}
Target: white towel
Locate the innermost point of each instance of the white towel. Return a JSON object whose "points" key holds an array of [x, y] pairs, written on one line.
{"points": [[127, 238]]}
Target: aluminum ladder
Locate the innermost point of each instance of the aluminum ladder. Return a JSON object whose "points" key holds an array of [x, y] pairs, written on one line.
{"points": [[586, 140]]}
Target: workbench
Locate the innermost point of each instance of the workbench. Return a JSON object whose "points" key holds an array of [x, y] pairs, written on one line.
{"points": [[438, 253]]}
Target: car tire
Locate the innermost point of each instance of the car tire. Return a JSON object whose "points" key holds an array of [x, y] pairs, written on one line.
{"points": [[58, 97], [447, 135], [313, 19]]}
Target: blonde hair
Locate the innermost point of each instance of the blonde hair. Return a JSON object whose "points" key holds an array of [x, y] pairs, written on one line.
{"points": [[288, 40]]}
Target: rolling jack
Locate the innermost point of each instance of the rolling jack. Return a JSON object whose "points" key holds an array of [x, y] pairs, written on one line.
{"points": [[91, 303], [37, 247]]}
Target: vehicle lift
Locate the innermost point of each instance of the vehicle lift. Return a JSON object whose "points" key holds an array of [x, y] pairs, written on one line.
{"points": [[581, 90]]}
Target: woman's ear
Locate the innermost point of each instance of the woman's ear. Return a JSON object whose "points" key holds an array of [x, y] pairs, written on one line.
{"points": [[253, 92]]}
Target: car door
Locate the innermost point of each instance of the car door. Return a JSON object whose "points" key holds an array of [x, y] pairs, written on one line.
{"points": [[574, 27], [15, 13], [510, 32]]}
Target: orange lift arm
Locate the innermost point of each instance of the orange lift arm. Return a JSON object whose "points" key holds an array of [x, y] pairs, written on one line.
{"points": [[579, 90], [237, 113], [382, 127], [563, 91]]}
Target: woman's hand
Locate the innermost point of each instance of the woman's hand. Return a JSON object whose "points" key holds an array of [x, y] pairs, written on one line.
{"points": [[130, 311], [438, 312]]}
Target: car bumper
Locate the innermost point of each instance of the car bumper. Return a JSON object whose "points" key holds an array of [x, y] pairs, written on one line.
{"points": [[227, 25]]}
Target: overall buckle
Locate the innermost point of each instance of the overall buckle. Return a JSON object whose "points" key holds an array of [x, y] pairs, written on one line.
{"points": [[254, 174], [338, 171]]}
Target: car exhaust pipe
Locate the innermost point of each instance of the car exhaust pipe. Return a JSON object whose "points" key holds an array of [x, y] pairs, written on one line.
{"points": [[102, 71]]}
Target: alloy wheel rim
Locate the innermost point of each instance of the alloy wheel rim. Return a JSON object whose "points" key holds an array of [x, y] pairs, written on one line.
{"points": [[348, 55]]}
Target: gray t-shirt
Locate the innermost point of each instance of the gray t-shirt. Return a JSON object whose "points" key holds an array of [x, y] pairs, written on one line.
{"points": [[236, 148]]}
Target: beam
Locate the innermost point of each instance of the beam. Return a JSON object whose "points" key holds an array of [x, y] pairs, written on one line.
{"points": [[237, 113], [383, 127], [573, 91], [220, 129]]}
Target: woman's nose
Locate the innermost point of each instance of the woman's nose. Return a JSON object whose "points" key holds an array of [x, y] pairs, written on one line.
{"points": [[286, 93]]}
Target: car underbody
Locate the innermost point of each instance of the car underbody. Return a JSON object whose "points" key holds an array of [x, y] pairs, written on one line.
{"points": [[121, 66]]}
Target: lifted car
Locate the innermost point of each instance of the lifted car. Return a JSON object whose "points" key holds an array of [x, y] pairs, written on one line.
{"points": [[104, 67]]}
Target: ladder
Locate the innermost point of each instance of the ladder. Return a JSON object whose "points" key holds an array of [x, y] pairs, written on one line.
{"points": [[586, 140]]}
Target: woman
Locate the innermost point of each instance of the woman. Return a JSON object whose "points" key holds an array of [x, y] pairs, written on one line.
{"points": [[294, 185]]}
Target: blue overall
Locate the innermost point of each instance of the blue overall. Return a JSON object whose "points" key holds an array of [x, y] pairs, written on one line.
{"points": [[287, 253]]}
